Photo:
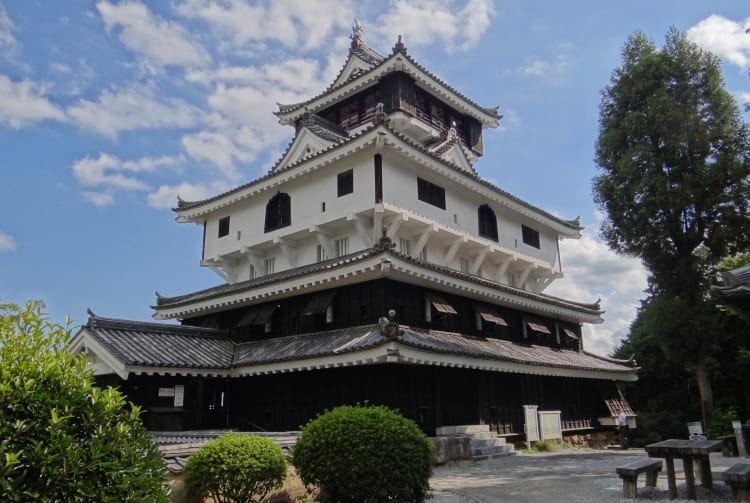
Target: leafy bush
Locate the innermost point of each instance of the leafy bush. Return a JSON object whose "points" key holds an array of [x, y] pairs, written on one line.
{"points": [[364, 454], [234, 468], [63, 439], [721, 423]]}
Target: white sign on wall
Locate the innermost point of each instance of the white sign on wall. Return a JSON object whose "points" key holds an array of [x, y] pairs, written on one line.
{"points": [[179, 395], [166, 392]]}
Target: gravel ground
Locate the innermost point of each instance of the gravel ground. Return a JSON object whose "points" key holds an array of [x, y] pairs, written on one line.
{"points": [[571, 476]]}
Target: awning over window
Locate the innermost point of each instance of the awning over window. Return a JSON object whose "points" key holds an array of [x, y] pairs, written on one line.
{"points": [[319, 303], [490, 316], [257, 315], [538, 327], [570, 333], [440, 304]]}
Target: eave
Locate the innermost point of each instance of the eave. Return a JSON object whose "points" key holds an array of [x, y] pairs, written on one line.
{"points": [[366, 266]]}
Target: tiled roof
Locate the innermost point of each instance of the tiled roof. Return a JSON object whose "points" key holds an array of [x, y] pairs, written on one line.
{"points": [[168, 346], [498, 349], [398, 49], [163, 302], [304, 346], [162, 345], [324, 128]]}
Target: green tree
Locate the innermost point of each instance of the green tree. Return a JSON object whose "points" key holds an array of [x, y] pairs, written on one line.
{"points": [[674, 163], [63, 439]]}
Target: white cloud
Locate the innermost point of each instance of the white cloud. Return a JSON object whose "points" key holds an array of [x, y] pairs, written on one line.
{"points": [[424, 22], [22, 103], [166, 196], [159, 41], [7, 243], [242, 124], [293, 23], [99, 198], [130, 109], [7, 40], [110, 171], [60, 68], [593, 271], [724, 37], [553, 69]]}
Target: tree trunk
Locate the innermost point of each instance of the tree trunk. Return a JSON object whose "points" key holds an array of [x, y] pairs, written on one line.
{"points": [[704, 388]]}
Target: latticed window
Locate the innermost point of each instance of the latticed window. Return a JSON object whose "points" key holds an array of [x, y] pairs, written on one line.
{"points": [[487, 223], [530, 236], [342, 247], [270, 265], [404, 246], [345, 183], [278, 212], [431, 193], [223, 227]]}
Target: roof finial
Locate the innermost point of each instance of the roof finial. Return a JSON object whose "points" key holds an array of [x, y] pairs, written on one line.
{"points": [[356, 36], [399, 47]]}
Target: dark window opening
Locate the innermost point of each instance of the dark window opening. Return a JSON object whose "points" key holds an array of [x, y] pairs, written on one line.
{"points": [[530, 236], [378, 178], [278, 212], [431, 193], [223, 227], [487, 223], [345, 183]]}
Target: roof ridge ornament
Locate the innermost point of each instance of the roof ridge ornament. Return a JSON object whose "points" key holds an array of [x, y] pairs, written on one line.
{"points": [[399, 47], [356, 36]]}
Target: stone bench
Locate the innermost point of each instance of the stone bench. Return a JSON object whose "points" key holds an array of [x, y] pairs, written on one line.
{"points": [[629, 475], [737, 477]]}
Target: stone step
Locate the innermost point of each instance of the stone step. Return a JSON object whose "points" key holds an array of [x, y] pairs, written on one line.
{"points": [[489, 442], [469, 429]]}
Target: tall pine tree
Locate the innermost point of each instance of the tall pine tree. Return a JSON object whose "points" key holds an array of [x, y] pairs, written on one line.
{"points": [[674, 161]]}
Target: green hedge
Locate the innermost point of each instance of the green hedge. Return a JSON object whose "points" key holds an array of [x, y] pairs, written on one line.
{"points": [[364, 454], [235, 468], [62, 439]]}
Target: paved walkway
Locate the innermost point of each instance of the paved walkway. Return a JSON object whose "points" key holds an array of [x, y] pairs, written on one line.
{"points": [[573, 476]]}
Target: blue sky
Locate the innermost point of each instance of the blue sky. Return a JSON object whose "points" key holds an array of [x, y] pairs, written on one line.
{"points": [[109, 109]]}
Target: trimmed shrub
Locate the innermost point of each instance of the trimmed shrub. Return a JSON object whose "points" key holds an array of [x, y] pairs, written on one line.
{"points": [[364, 454], [235, 468], [61, 438]]}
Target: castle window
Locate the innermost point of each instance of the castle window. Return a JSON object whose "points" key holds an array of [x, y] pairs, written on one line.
{"points": [[404, 246], [345, 183], [270, 265], [464, 264], [223, 227], [530, 236], [431, 193], [342, 247], [440, 305], [278, 212], [321, 253], [487, 223]]}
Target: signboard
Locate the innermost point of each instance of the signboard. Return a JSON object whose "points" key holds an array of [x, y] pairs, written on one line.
{"points": [[531, 424], [166, 392], [550, 425], [179, 395]]}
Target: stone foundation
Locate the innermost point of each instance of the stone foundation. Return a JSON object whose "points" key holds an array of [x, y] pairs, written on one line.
{"points": [[452, 449]]}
